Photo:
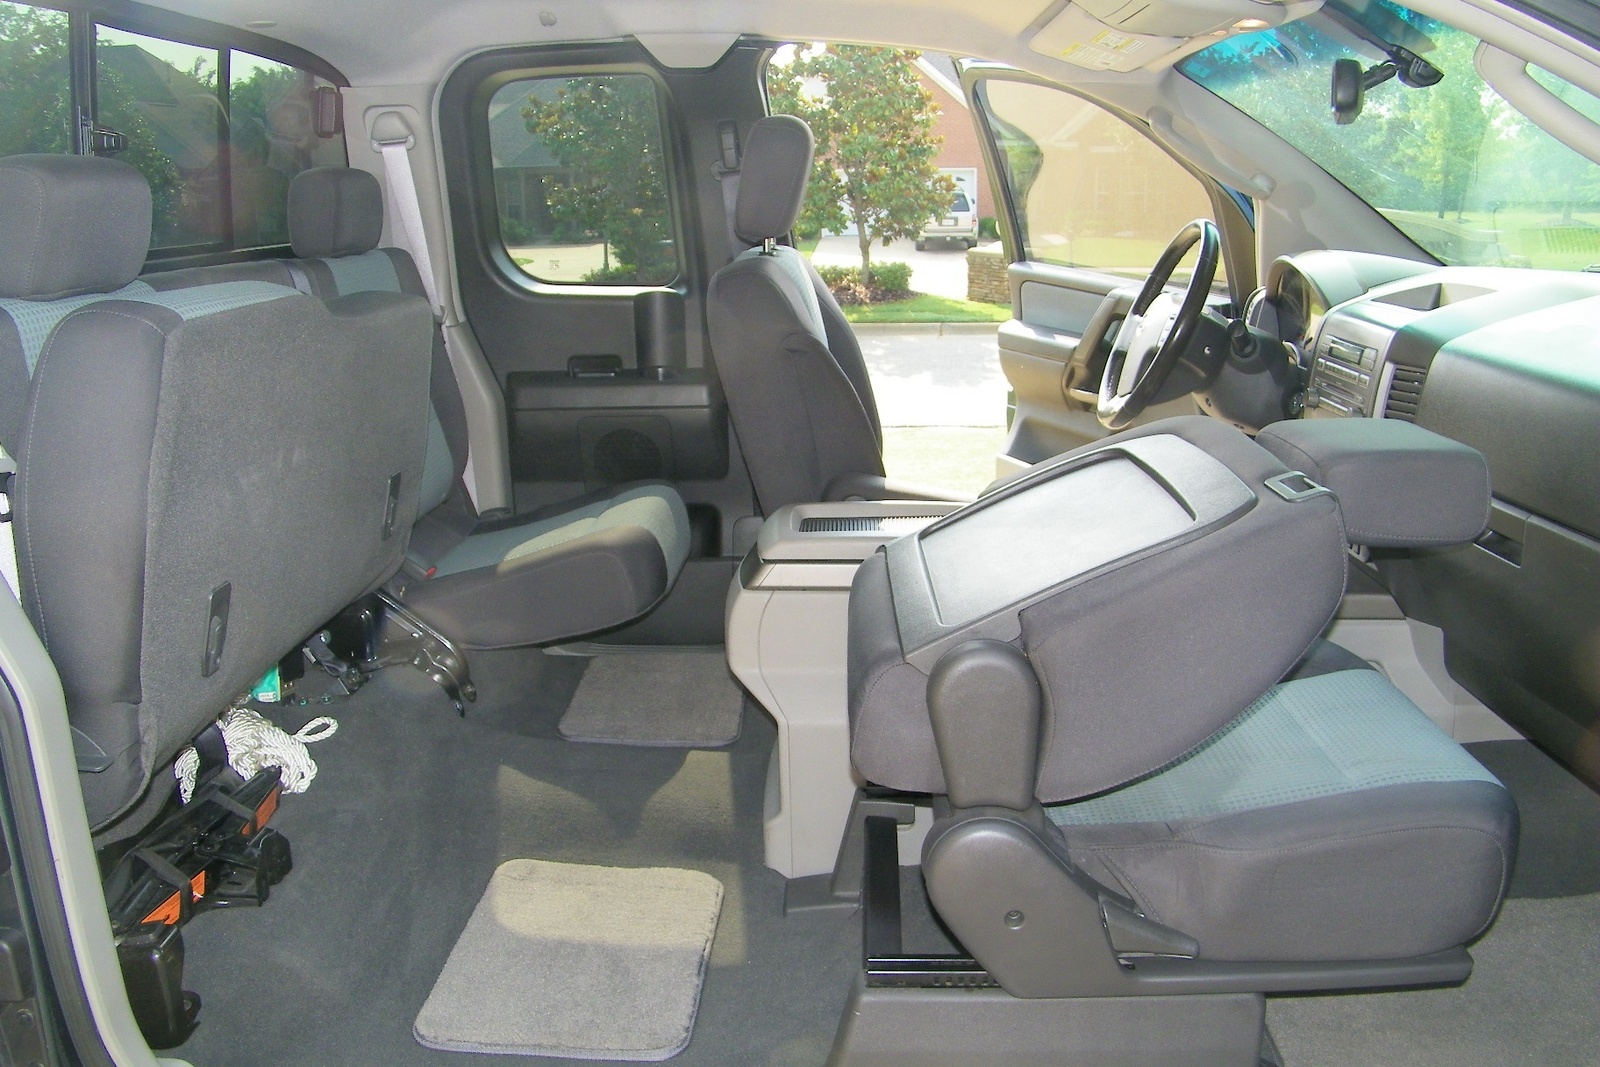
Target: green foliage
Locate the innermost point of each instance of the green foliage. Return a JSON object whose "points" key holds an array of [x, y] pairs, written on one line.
{"points": [[989, 228], [614, 275], [833, 276], [1453, 166], [271, 132], [606, 131], [925, 307], [888, 281], [35, 81], [892, 277], [873, 122]]}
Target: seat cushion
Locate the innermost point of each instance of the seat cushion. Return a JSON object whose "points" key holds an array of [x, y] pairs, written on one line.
{"points": [[1331, 820], [587, 569]]}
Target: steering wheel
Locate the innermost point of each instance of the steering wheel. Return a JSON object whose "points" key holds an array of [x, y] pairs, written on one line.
{"points": [[1158, 328]]}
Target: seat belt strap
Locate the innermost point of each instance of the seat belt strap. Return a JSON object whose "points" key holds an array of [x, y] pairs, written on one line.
{"points": [[394, 142], [726, 170], [8, 544], [403, 195]]}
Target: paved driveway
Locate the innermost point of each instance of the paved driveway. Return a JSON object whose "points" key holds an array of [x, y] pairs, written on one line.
{"points": [[923, 376]]}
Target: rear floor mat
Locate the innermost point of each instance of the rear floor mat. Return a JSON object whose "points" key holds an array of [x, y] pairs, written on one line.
{"points": [[571, 960], [692, 701]]}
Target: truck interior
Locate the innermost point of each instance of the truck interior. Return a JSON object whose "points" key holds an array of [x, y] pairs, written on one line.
{"points": [[458, 602]]}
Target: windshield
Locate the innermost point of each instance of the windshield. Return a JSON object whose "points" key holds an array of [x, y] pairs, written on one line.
{"points": [[1452, 165]]}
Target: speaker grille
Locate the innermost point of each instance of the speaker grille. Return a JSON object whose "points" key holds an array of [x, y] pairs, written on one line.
{"points": [[627, 456]]}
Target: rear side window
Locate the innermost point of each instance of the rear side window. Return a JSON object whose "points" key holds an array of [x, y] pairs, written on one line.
{"points": [[580, 180], [218, 132], [35, 81]]}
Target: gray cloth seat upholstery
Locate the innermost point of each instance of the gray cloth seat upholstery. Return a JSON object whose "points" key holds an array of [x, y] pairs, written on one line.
{"points": [[574, 568], [792, 371], [1322, 817], [207, 470]]}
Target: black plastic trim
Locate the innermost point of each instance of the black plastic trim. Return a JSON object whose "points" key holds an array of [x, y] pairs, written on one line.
{"points": [[61, 985]]}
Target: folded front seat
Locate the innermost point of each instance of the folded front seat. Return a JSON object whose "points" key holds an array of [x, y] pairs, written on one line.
{"points": [[1087, 664], [570, 569]]}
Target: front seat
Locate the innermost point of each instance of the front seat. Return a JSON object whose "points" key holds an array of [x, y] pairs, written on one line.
{"points": [[1141, 828], [796, 384], [567, 570]]}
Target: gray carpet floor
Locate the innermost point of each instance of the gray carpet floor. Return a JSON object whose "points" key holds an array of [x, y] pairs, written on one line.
{"points": [[414, 809], [1534, 995], [690, 700]]}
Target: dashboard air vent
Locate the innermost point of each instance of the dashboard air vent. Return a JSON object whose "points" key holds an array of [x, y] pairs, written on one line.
{"points": [[1405, 394]]}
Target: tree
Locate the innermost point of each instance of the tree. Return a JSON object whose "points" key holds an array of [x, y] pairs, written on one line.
{"points": [[606, 132], [873, 121], [35, 81]]}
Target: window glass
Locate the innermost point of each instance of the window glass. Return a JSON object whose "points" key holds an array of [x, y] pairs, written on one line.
{"points": [[1089, 190], [35, 81], [162, 96], [272, 135], [580, 179], [1453, 166]]}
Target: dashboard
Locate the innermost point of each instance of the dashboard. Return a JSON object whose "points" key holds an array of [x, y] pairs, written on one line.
{"points": [[1506, 360]]}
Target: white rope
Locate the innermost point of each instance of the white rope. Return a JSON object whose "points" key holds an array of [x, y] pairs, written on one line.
{"points": [[254, 743], [186, 770]]}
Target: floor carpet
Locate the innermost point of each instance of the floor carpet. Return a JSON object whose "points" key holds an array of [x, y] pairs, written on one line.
{"points": [[415, 808]]}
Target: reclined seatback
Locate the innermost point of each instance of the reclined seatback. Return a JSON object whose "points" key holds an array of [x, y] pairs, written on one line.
{"points": [[205, 473], [574, 568]]}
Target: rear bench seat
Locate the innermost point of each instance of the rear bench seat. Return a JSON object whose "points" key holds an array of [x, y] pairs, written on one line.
{"points": [[206, 472], [570, 569]]}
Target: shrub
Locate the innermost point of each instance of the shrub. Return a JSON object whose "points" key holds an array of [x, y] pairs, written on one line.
{"points": [[989, 228], [834, 277], [891, 279], [619, 275]]}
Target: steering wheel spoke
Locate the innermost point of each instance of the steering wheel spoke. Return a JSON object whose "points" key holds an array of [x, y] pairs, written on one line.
{"points": [[1158, 327]]}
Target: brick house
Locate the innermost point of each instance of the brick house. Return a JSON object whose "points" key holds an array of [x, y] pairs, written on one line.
{"points": [[960, 148]]}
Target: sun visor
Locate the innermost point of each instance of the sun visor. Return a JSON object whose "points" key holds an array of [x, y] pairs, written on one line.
{"points": [[1124, 35]]}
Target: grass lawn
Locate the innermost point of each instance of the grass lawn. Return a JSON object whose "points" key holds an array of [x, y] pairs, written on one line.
{"points": [[955, 458], [925, 308]]}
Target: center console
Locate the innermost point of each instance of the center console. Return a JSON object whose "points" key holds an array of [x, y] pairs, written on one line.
{"points": [[787, 624]]}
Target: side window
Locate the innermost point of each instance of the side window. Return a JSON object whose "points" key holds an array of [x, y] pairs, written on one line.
{"points": [[35, 81], [1089, 190], [218, 133], [580, 180]]}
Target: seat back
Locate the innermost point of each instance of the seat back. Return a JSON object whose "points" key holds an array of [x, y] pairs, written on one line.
{"points": [[791, 369], [335, 224], [206, 473]]}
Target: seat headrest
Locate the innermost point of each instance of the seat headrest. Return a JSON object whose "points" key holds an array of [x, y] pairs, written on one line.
{"points": [[772, 177], [1399, 485], [71, 225], [334, 211]]}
